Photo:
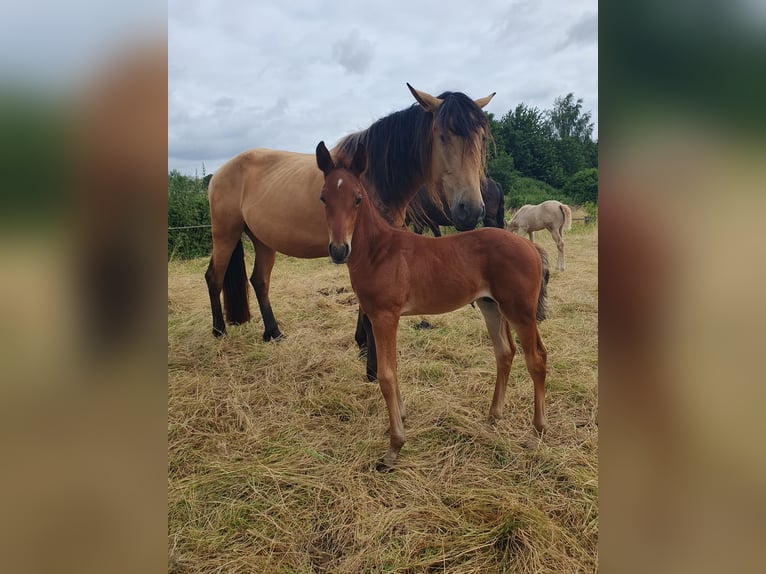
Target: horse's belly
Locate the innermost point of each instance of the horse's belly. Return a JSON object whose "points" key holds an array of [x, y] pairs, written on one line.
{"points": [[304, 250], [440, 301], [307, 239]]}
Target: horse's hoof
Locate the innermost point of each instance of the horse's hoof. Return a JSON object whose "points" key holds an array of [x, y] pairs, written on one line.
{"points": [[372, 377], [218, 333], [276, 337], [382, 467]]}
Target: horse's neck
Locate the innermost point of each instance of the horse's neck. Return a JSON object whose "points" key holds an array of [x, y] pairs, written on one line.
{"points": [[372, 233], [390, 192]]}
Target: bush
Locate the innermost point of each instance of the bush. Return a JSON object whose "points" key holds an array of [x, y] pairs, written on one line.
{"points": [[527, 190], [188, 208], [582, 187]]}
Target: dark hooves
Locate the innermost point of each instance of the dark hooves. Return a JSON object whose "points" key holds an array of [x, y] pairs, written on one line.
{"points": [[383, 467], [372, 377], [217, 333], [276, 337]]}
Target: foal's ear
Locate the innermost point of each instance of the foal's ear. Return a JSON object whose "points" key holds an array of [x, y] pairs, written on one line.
{"points": [[324, 159], [359, 163]]}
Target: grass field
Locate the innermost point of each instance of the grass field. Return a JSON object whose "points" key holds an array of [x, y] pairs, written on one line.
{"points": [[272, 446]]}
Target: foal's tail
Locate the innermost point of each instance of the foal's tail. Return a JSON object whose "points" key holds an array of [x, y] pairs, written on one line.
{"points": [[541, 310], [567, 213], [235, 293]]}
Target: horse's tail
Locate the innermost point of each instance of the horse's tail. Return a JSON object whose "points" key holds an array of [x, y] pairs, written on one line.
{"points": [[567, 213], [541, 303], [235, 292]]}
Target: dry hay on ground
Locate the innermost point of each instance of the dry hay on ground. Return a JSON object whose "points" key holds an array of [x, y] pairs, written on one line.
{"points": [[272, 447]]}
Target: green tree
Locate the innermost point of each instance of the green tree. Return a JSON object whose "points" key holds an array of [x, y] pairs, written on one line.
{"points": [[188, 217], [567, 119], [582, 187]]}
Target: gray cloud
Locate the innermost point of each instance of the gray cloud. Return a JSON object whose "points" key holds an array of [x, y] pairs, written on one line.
{"points": [[273, 74], [354, 53], [582, 32]]}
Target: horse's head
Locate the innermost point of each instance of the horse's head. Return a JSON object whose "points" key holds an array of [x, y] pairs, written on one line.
{"points": [[459, 150], [342, 194]]}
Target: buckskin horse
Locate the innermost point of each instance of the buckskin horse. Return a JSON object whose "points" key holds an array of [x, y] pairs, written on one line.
{"points": [[391, 272], [270, 195]]}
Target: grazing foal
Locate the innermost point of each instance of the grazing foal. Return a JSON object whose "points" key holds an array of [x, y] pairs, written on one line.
{"points": [[551, 215], [391, 272]]}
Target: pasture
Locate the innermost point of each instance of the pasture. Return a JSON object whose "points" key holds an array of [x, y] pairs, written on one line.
{"points": [[273, 446]]}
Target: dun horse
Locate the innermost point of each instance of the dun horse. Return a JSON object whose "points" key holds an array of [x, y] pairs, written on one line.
{"points": [[391, 272], [551, 215], [270, 195], [423, 212]]}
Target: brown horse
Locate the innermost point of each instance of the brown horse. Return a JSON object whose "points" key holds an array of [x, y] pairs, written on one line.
{"points": [[391, 272], [271, 195]]}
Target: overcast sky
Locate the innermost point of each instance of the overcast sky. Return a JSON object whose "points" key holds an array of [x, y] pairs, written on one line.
{"points": [[285, 74]]}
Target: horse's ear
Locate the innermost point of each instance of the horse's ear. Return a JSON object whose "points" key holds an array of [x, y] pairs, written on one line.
{"points": [[481, 102], [324, 159], [359, 163], [427, 101]]}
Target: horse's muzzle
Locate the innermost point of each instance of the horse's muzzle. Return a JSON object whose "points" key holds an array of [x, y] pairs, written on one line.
{"points": [[467, 215], [339, 253]]}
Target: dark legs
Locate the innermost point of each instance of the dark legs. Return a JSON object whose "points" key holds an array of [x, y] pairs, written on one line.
{"points": [[222, 263], [261, 279], [365, 340]]}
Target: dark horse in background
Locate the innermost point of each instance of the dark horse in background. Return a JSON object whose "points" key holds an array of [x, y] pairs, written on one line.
{"points": [[424, 212], [272, 196]]}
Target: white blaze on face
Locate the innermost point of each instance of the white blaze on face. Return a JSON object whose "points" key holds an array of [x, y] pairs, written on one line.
{"points": [[340, 182]]}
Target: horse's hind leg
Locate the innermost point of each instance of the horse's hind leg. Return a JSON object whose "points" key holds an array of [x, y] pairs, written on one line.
{"points": [[224, 245], [560, 262], [536, 358], [261, 280], [505, 350]]}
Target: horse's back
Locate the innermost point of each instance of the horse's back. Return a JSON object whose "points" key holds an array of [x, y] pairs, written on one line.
{"points": [[276, 194]]}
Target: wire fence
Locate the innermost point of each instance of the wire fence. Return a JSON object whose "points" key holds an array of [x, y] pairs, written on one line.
{"points": [[189, 241], [189, 227]]}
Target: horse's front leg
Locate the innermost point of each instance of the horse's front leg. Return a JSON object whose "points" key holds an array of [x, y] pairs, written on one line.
{"points": [[384, 327], [261, 280]]}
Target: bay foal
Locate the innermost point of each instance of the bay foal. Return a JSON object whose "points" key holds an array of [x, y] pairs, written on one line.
{"points": [[391, 272]]}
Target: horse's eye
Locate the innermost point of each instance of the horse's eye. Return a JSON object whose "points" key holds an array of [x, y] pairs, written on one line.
{"points": [[321, 198], [358, 200], [442, 138]]}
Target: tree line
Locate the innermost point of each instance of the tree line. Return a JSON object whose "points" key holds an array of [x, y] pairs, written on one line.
{"points": [[534, 154], [545, 154]]}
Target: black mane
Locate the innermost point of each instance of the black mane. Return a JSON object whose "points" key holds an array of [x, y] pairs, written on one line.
{"points": [[399, 147]]}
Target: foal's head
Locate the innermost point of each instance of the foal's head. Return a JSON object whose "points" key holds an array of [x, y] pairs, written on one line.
{"points": [[342, 194]]}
